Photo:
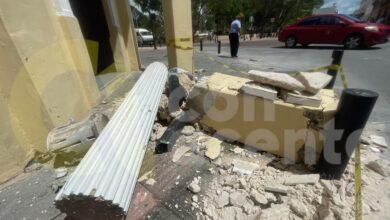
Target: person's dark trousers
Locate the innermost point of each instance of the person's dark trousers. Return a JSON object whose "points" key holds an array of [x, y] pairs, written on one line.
{"points": [[234, 44]]}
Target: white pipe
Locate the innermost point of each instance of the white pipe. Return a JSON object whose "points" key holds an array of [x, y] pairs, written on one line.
{"points": [[110, 169]]}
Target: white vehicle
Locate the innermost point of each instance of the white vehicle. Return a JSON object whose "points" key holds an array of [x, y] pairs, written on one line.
{"points": [[144, 36]]}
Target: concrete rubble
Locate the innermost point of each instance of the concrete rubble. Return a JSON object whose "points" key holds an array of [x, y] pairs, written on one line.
{"points": [[301, 99], [377, 167], [280, 80], [302, 179], [241, 183], [258, 90], [379, 141], [179, 152], [313, 81], [213, 148]]}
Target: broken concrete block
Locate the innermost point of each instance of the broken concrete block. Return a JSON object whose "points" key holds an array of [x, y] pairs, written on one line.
{"points": [[213, 148], [61, 172], [302, 179], [238, 150], [377, 167], [188, 130], [194, 187], [301, 99], [258, 90], [276, 211], [258, 198], [163, 111], [379, 140], [244, 167], [276, 188], [150, 182], [314, 81], [365, 140], [237, 198], [280, 80], [299, 208], [223, 199], [179, 153]]}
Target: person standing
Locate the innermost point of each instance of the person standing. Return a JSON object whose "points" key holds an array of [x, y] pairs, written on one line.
{"points": [[234, 35]]}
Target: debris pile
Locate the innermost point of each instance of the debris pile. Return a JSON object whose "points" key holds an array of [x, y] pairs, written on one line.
{"points": [[250, 185], [300, 88]]}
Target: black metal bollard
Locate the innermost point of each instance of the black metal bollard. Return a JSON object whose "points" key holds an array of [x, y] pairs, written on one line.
{"points": [[354, 109], [337, 56], [219, 47], [201, 44]]}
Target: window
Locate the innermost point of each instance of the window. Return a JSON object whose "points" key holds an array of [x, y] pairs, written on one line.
{"points": [[328, 20], [351, 18], [309, 21]]}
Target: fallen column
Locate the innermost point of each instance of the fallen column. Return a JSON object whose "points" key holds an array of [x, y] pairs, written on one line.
{"points": [[102, 185]]}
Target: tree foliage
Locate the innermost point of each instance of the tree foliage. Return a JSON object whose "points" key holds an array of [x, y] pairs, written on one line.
{"points": [[216, 15]]}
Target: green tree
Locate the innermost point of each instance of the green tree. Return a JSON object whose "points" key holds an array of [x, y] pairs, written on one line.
{"points": [[152, 17]]}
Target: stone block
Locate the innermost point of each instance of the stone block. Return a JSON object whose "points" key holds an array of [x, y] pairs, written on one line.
{"points": [[302, 99], [280, 80], [314, 81], [258, 90]]}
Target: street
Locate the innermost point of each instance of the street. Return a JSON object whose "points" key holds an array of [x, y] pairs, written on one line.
{"points": [[366, 68]]}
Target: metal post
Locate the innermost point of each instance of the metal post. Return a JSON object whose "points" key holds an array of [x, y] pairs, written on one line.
{"points": [[337, 56], [353, 111], [219, 47], [201, 44]]}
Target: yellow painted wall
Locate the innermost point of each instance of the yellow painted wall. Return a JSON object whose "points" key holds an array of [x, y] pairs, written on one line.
{"points": [[121, 55], [24, 121], [75, 42], [128, 32], [45, 79], [178, 33]]}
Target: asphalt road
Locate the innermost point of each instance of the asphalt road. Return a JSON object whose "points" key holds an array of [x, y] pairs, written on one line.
{"points": [[367, 68]]}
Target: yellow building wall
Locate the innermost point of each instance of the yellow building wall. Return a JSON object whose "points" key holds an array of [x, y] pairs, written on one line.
{"points": [[121, 55], [24, 121], [46, 79], [128, 31], [75, 42]]}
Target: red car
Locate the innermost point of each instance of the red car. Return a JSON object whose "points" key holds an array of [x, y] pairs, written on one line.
{"points": [[334, 29]]}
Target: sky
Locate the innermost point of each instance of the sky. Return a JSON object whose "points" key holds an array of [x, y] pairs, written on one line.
{"points": [[344, 6]]}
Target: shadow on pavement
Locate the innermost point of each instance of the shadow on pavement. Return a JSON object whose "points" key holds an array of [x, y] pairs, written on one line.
{"points": [[224, 56]]}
